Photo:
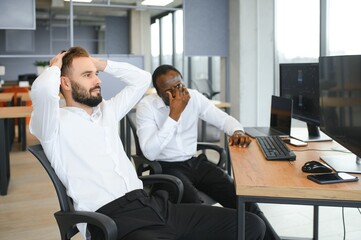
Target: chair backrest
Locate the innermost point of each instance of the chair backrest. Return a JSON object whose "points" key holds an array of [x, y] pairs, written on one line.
{"points": [[131, 119], [64, 200], [204, 86]]}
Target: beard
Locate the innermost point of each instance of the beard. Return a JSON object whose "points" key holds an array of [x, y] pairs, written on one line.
{"points": [[84, 96]]}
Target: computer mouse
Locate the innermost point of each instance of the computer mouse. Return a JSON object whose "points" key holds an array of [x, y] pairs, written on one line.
{"points": [[315, 167]]}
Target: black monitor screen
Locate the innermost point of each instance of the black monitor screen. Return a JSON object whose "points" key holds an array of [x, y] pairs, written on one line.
{"points": [[299, 82], [340, 100]]}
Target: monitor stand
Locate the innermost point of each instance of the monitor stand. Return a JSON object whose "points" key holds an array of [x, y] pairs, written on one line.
{"points": [[344, 163], [311, 134]]}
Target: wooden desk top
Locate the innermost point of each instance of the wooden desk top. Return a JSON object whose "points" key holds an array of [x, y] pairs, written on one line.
{"points": [[15, 112], [255, 176], [6, 96], [221, 104]]}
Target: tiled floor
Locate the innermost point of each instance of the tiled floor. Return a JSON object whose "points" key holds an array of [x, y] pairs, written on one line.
{"points": [[296, 221]]}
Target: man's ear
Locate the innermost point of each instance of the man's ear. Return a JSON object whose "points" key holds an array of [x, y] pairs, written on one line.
{"points": [[65, 83]]}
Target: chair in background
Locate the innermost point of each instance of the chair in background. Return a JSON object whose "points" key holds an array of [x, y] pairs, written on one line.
{"points": [[143, 165], [67, 217], [204, 86], [29, 78]]}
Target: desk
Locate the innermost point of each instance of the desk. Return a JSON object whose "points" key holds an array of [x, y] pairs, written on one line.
{"points": [[6, 97], [22, 99], [7, 113], [24, 96], [259, 180]]}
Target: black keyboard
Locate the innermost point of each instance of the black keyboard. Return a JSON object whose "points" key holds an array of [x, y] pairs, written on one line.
{"points": [[274, 148]]}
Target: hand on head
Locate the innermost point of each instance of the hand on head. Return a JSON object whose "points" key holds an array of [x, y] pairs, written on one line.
{"points": [[100, 64], [239, 139], [178, 100], [57, 60]]}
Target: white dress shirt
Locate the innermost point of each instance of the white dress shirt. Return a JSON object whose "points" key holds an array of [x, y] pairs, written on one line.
{"points": [[162, 138], [85, 150]]}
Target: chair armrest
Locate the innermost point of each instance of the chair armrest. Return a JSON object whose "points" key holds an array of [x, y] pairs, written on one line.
{"points": [[175, 183], [142, 164], [222, 153], [67, 220]]}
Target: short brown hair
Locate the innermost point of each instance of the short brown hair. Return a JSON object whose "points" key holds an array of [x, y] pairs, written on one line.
{"points": [[72, 53]]}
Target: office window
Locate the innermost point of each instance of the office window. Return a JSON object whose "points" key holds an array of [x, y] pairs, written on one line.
{"points": [[166, 52], [167, 40], [297, 30], [178, 41], [155, 44], [343, 30]]}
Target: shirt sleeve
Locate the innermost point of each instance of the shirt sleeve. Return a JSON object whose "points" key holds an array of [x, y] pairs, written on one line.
{"points": [[137, 82], [44, 95], [215, 116], [153, 139]]}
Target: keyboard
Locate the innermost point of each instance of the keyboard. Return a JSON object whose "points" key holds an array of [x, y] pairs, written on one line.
{"points": [[274, 148]]}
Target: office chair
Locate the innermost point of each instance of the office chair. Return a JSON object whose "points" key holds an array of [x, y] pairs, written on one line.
{"points": [[67, 217], [142, 164], [204, 86]]}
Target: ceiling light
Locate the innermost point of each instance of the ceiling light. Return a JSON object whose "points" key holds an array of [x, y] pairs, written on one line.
{"points": [[86, 1], [156, 2]]}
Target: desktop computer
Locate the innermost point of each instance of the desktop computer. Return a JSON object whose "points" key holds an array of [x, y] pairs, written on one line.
{"points": [[300, 82], [340, 108]]}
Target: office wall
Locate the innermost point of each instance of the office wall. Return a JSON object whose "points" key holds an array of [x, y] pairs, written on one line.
{"points": [[52, 41], [24, 17], [252, 60], [49, 41], [111, 85], [206, 27], [117, 35]]}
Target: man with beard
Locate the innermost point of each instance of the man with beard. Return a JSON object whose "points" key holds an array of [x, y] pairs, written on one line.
{"points": [[82, 143], [167, 124]]}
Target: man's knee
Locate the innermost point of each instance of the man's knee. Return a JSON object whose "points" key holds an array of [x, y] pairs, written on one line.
{"points": [[255, 227]]}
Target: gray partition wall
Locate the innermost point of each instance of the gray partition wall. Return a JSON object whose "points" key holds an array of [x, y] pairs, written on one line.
{"points": [[17, 14], [206, 27]]}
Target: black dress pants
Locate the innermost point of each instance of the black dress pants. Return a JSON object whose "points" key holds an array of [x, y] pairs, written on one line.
{"points": [[199, 174], [142, 217]]}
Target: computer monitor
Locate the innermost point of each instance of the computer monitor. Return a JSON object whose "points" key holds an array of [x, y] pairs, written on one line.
{"points": [[299, 82], [340, 108]]}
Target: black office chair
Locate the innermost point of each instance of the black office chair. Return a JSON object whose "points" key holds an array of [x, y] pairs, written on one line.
{"points": [[142, 164], [204, 86], [67, 217]]}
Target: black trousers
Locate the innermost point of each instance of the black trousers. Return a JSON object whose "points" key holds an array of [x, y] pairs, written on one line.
{"points": [[198, 174], [142, 217]]}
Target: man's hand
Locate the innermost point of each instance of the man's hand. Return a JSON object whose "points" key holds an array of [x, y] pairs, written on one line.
{"points": [[57, 60], [100, 64], [178, 100], [239, 139]]}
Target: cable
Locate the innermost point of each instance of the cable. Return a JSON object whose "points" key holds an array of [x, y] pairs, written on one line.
{"points": [[343, 222], [320, 150]]}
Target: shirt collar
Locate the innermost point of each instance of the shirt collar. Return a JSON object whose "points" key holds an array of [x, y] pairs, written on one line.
{"points": [[81, 112], [159, 102]]}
